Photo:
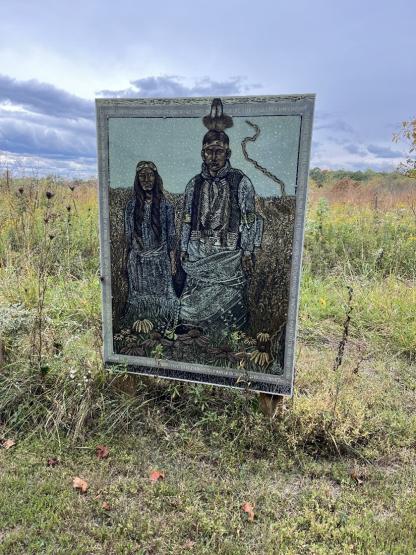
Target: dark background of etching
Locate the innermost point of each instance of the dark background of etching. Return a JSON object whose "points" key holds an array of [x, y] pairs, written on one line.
{"points": [[269, 285]]}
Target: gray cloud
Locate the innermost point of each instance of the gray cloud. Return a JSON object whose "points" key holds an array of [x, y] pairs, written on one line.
{"points": [[337, 125], [82, 126], [384, 152], [30, 138], [357, 149], [171, 86], [55, 127], [58, 128], [37, 165], [44, 98]]}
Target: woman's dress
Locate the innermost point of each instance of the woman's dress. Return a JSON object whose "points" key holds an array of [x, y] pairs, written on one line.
{"points": [[150, 289]]}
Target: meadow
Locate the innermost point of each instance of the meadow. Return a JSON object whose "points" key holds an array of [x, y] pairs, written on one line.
{"points": [[333, 473]]}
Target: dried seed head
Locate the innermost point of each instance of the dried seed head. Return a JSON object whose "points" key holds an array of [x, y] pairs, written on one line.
{"points": [[51, 237], [259, 357], [263, 337], [21, 190], [142, 326], [49, 194], [68, 208]]}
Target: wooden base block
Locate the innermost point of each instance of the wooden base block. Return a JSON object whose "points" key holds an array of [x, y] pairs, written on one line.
{"points": [[271, 405]]}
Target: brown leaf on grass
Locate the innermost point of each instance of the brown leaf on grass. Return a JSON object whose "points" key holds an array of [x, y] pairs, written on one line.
{"points": [[189, 544], [52, 461], [155, 476], [102, 451], [80, 484], [7, 443], [249, 509], [358, 475], [106, 506]]}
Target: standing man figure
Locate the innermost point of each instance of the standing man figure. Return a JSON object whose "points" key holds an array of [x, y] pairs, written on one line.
{"points": [[220, 230]]}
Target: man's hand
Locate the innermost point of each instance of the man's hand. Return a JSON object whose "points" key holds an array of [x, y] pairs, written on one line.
{"points": [[247, 264], [137, 240]]}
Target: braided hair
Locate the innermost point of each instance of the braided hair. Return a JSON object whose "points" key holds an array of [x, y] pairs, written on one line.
{"points": [[140, 195]]}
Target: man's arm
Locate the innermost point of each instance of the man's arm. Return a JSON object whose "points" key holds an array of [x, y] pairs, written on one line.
{"points": [[171, 235], [247, 204], [186, 218]]}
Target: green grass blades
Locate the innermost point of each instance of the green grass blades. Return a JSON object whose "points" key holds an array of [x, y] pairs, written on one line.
{"points": [[333, 474]]}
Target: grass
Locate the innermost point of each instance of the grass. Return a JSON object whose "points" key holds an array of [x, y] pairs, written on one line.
{"points": [[334, 474], [301, 505]]}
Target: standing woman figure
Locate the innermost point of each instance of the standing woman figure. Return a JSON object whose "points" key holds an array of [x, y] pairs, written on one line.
{"points": [[149, 221]]}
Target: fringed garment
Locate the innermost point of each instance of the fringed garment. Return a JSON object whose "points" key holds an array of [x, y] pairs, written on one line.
{"points": [[150, 290], [219, 226]]}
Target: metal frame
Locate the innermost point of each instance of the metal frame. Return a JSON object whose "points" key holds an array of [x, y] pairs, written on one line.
{"points": [[300, 105]]}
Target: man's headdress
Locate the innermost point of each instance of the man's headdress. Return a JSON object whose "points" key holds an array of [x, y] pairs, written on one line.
{"points": [[216, 119]]}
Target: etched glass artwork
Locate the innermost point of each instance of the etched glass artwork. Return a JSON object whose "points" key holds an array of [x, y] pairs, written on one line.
{"points": [[202, 211]]}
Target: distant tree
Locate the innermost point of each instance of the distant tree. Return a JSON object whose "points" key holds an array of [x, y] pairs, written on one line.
{"points": [[318, 175], [408, 134], [354, 176]]}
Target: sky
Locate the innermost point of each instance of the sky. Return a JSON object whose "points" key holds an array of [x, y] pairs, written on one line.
{"points": [[56, 57]]}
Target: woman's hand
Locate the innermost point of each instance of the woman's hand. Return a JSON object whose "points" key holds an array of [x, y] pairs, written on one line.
{"points": [[173, 267]]}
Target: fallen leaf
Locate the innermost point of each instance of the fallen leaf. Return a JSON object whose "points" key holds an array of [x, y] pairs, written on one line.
{"points": [[357, 475], [106, 506], [80, 484], [358, 480], [189, 544], [102, 451], [155, 475], [52, 461], [7, 443], [249, 509]]}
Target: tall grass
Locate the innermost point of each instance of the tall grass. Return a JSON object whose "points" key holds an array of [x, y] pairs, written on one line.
{"points": [[52, 377], [353, 235]]}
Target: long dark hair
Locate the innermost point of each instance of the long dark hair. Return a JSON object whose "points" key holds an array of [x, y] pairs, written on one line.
{"points": [[139, 194]]}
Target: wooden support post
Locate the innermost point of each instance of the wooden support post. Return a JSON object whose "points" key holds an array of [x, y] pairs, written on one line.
{"points": [[271, 405]]}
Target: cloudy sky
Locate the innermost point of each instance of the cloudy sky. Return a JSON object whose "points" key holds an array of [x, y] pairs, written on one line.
{"points": [[56, 57]]}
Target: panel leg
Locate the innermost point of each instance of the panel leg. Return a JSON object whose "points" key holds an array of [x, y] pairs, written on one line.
{"points": [[271, 405]]}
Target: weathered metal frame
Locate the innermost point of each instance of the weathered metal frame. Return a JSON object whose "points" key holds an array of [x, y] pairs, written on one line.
{"points": [[299, 105]]}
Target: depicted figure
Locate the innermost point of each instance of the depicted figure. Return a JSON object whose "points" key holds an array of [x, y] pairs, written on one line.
{"points": [[150, 235], [220, 230]]}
